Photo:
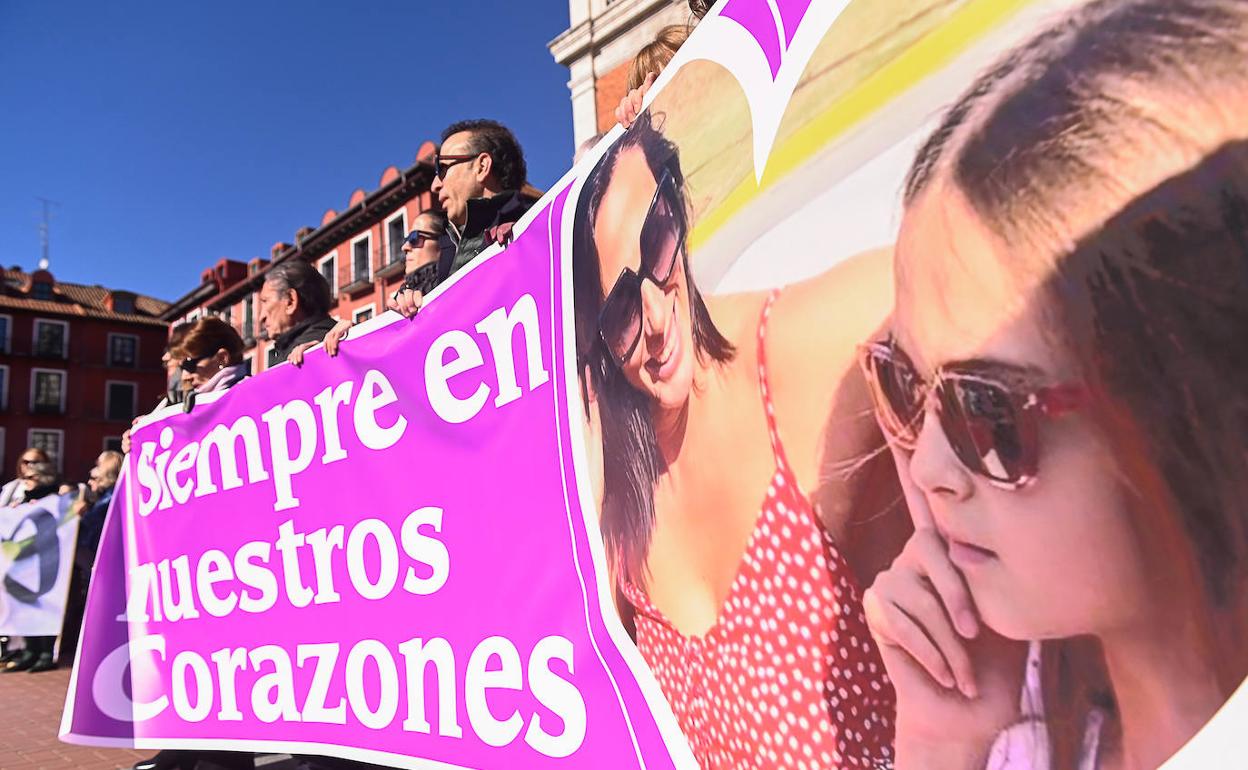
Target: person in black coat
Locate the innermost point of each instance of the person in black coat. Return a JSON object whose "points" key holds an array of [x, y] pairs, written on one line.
{"points": [[294, 307]]}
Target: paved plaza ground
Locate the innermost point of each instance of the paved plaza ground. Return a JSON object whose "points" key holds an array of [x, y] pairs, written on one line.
{"points": [[31, 708], [30, 716]]}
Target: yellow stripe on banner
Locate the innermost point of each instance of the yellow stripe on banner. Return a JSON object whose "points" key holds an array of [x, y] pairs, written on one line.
{"points": [[934, 50]]}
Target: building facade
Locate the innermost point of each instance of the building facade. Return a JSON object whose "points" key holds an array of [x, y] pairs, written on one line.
{"points": [[358, 250], [77, 363], [599, 44]]}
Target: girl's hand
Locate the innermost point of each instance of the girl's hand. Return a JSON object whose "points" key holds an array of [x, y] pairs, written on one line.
{"points": [[631, 105], [406, 302], [958, 684], [296, 355], [334, 336]]}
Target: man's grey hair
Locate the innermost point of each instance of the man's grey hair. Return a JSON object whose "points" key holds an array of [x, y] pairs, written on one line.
{"points": [[307, 282]]}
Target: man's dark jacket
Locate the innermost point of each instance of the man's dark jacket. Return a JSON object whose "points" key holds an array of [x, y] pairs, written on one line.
{"points": [[308, 330], [90, 527], [484, 217]]}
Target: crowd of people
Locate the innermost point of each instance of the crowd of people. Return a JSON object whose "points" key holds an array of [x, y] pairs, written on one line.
{"points": [[481, 187], [1053, 386], [37, 478]]}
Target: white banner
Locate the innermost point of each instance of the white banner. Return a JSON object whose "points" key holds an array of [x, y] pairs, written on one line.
{"points": [[36, 562]]}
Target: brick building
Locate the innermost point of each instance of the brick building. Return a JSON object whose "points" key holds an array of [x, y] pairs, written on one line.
{"points": [[356, 249], [600, 42], [77, 363]]}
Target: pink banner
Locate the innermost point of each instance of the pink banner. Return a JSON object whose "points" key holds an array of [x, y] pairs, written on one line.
{"points": [[379, 556]]}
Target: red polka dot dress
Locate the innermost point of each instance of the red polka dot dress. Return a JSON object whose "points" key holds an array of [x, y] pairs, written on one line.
{"points": [[788, 676]]}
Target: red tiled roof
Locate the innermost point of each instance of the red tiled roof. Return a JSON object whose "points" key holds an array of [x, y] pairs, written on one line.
{"points": [[77, 299]]}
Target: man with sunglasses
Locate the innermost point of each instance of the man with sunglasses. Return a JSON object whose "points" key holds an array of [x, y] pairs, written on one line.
{"points": [[480, 184]]}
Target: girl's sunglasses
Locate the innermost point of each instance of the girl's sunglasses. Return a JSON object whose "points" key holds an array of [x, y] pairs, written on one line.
{"points": [[662, 236], [991, 423]]}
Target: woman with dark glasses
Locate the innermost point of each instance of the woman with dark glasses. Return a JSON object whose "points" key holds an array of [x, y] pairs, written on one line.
{"points": [[1065, 388], [211, 355], [13, 492], [722, 419]]}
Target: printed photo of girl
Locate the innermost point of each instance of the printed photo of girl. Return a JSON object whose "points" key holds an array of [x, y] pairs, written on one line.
{"points": [[718, 415], [1063, 385]]}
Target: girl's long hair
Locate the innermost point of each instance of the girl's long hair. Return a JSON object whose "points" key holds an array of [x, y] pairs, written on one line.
{"points": [[1109, 145], [631, 459]]}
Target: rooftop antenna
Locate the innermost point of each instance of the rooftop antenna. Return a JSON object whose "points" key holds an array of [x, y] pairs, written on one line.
{"points": [[44, 229]]}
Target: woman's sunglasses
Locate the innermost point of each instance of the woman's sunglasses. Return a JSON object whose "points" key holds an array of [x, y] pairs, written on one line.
{"points": [[190, 364], [662, 237], [417, 238], [991, 423]]}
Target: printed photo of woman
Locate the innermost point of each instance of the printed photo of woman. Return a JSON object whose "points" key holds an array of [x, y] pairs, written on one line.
{"points": [[719, 417], [1064, 384]]}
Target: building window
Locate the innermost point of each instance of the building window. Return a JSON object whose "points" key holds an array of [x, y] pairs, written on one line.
{"points": [[361, 269], [120, 400], [396, 231], [112, 444], [41, 290], [123, 350], [51, 338], [4, 387], [49, 440], [249, 318], [329, 268], [6, 329], [362, 314], [47, 391]]}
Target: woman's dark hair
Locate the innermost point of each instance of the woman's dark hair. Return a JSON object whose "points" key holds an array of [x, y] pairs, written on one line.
{"points": [[631, 461], [1107, 153], [208, 335]]}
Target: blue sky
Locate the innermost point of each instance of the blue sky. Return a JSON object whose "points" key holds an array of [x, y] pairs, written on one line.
{"points": [[173, 134]]}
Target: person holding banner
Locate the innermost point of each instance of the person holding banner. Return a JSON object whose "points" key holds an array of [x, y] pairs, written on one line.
{"points": [[1063, 386], [14, 492], [294, 308], [38, 481], [212, 359], [711, 408]]}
